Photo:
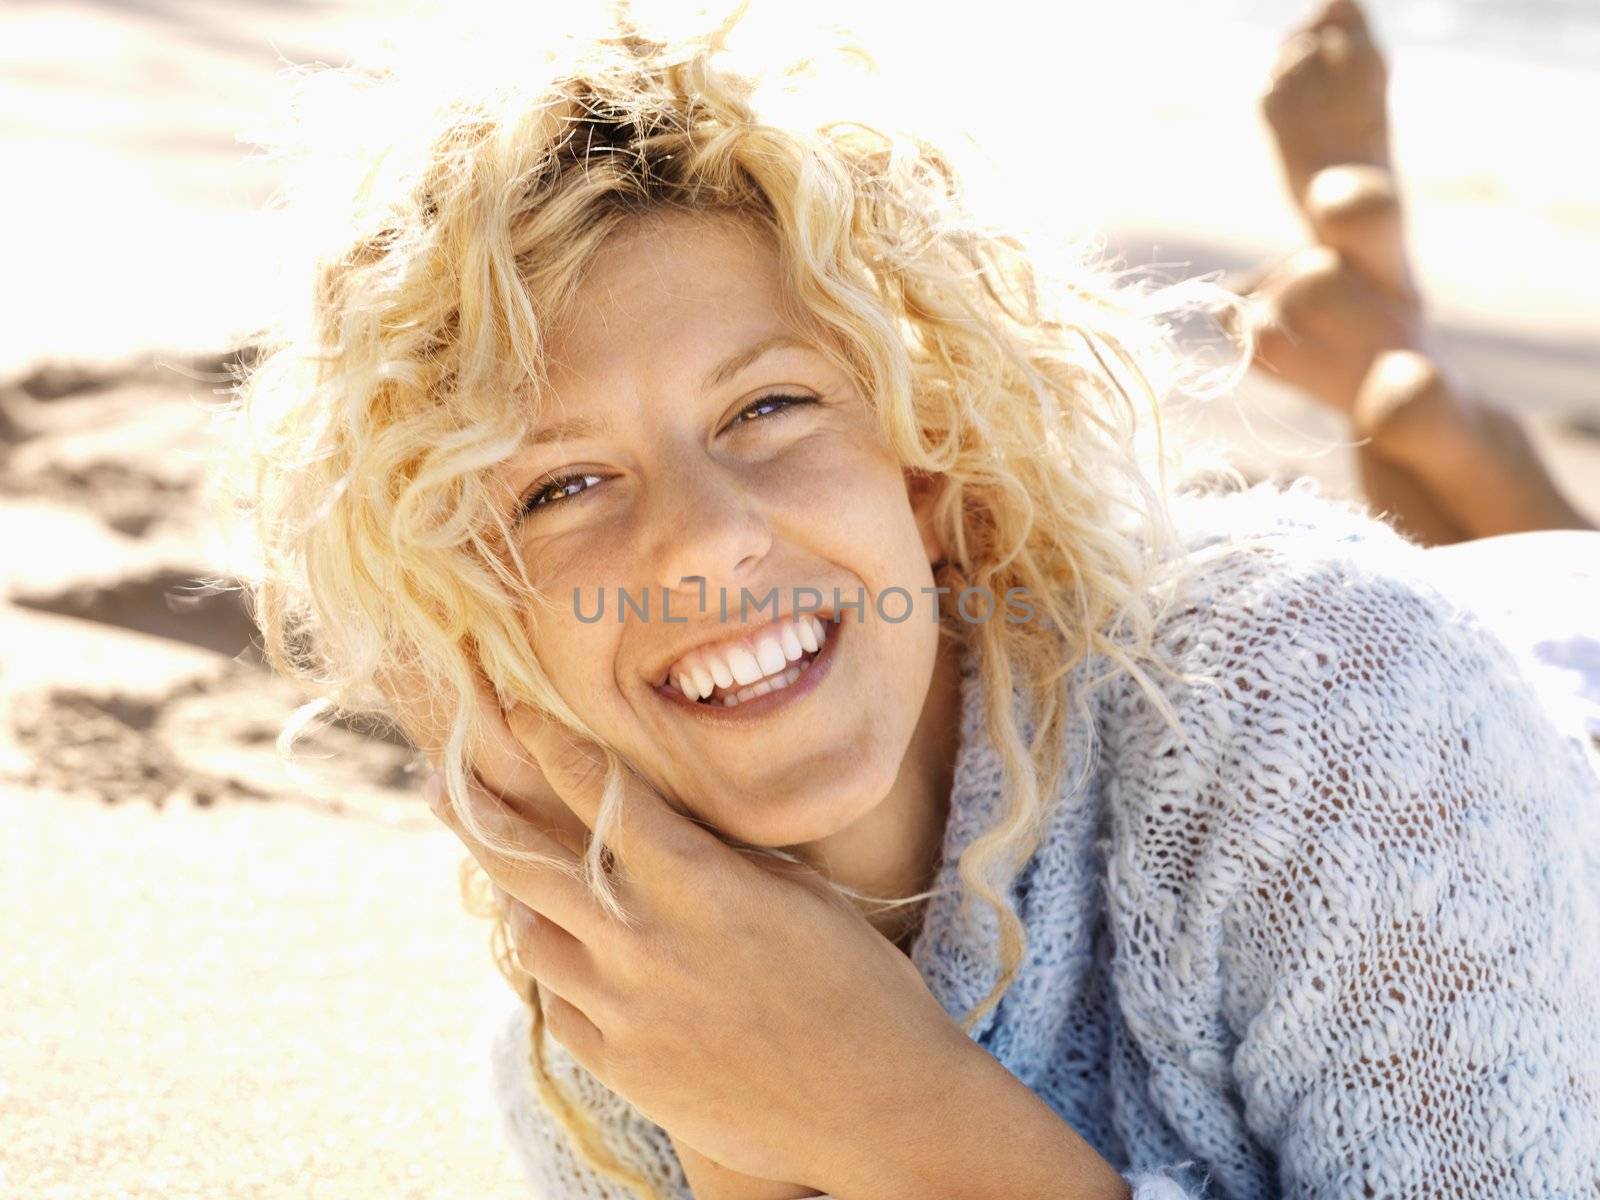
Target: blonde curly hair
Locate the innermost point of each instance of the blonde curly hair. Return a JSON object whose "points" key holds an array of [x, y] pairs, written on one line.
{"points": [[380, 403]]}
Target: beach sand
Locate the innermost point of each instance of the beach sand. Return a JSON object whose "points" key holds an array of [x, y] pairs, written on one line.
{"points": [[223, 978]]}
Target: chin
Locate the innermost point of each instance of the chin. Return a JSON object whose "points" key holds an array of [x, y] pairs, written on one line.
{"points": [[810, 816]]}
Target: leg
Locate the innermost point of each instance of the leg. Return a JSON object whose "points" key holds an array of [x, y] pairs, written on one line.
{"points": [[1476, 459]]}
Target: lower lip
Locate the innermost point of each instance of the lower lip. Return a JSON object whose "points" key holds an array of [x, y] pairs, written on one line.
{"points": [[761, 706]]}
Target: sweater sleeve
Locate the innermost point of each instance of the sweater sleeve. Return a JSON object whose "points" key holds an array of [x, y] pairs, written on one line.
{"points": [[554, 1166], [1379, 901]]}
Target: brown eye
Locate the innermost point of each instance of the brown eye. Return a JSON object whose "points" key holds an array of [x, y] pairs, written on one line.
{"points": [[787, 402], [556, 490]]}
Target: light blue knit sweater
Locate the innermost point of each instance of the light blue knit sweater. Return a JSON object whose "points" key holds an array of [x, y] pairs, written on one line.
{"points": [[1344, 943]]}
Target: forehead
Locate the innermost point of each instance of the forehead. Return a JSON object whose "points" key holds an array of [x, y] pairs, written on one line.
{"points": [[667, 279]]}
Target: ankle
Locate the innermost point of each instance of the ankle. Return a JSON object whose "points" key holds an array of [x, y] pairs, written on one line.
{"points": [[1413, 416]]}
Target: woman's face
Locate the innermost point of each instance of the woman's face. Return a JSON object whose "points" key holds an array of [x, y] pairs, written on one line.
{"points": [[693, 479]]}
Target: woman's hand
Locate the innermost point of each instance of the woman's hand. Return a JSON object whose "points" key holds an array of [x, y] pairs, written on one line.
{"points": [[498, 760], [751, 1013], [507, 769]]}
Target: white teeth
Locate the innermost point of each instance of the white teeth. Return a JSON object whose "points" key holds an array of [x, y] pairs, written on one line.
{"points": [[702, 679], [719, 671], [743, 664], [769, 653], [766, 685], [700, 672]]}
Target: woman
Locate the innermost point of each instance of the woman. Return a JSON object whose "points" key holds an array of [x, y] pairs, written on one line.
{"points": [[1087, 846]]}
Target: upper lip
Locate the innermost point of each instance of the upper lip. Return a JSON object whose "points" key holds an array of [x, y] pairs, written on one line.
{"points": [[710, 635]]}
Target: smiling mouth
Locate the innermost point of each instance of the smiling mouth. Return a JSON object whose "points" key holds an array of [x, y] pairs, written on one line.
{"points": [[740, 672], [760, 694]]}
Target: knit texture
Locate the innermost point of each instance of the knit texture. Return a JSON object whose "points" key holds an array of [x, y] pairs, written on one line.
{"points": [[1343, 941]]}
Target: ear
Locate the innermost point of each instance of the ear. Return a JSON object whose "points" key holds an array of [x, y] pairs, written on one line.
{"points": [[923, 490]]}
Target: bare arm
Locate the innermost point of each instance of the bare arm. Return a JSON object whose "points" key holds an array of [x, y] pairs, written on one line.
{"points": [[710, 1180]]}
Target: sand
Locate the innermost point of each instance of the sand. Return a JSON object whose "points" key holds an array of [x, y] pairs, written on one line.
{"points": [[222, 978]]}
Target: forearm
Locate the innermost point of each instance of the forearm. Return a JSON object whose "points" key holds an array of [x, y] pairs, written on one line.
{"points": [[970, 1130]]}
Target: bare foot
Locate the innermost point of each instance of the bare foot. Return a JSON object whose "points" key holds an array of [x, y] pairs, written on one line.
{"points": [[1326, 100], [1326, 108], [1321, 316], [1319, 322]]}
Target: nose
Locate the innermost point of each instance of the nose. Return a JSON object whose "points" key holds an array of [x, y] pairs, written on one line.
{"points": [[710, 530]]}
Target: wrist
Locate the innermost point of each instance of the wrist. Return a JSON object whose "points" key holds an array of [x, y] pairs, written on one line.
{"points": [[975, 1132], [710, 1180]]}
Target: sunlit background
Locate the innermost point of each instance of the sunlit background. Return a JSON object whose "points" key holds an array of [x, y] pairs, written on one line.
{"points": [[224, 979]]}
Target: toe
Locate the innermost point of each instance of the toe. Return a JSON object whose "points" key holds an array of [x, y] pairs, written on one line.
{"points": [[1346, 15]]}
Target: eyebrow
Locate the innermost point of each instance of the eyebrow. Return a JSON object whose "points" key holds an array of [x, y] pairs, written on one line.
{"points": [[729, 367], [738, 362], [563, 431]]}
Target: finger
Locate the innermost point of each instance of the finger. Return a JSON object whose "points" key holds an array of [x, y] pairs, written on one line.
{"points": [[414, 706], [555, 890], [579, 1035], [421, 711], [652, 841], [501, 763], [504, 764], [553, 956]]}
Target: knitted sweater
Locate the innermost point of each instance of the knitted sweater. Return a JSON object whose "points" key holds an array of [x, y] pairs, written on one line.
{"points": [[1343, 943]]}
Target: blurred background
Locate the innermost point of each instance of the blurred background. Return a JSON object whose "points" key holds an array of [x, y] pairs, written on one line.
{"points": [[223, 976]]}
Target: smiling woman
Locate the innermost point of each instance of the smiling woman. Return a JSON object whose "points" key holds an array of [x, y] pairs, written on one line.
{"points": [[1277, 855]]}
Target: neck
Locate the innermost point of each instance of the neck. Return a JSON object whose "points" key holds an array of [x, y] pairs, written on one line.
{"points": [[894, 849]]}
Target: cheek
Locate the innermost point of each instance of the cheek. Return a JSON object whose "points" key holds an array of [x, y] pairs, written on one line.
{"points": [[579, 658], [558, 565], [849, 496]]}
